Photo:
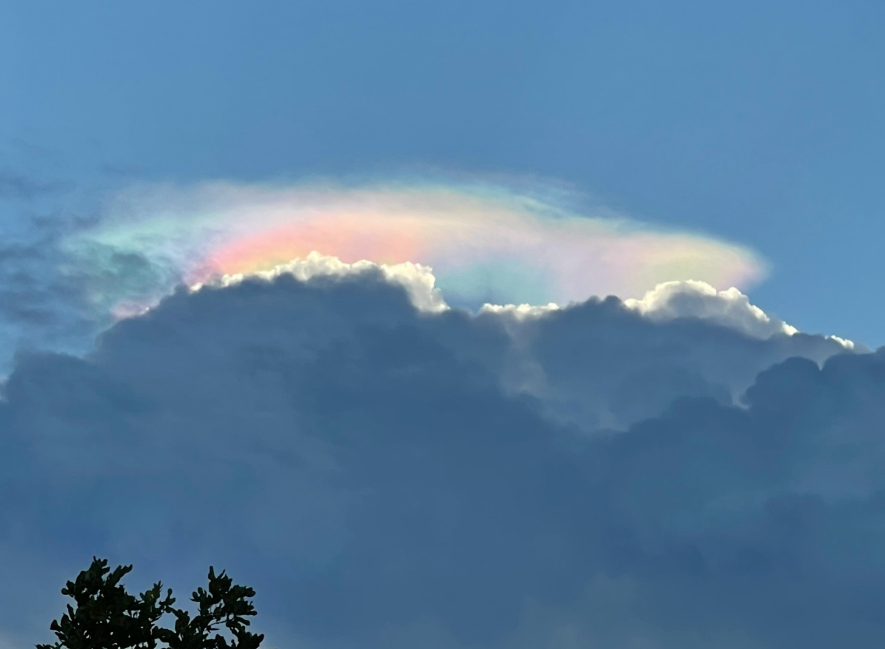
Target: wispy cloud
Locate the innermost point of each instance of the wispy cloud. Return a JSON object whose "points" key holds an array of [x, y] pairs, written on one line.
{"points": [[21, 186]]}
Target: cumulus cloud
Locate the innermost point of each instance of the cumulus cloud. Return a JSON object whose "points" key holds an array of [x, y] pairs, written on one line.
{"points": [[693, 299], [418, 280], [519, 311], [719, 363], [389, 476]]}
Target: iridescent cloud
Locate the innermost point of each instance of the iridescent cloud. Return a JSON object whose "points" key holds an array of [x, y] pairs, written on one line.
{"points": [[485, 243]]}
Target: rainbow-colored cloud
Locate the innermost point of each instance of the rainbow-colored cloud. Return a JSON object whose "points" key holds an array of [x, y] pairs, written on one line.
{"points": [[485, 243]]}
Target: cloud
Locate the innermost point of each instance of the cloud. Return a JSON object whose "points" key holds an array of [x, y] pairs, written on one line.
{"points": [[47, 298], [388, 476], [642, 375], [485, 243], [730, 308], [23, 187], [97, 259], [693, 299], [418, 280], [48, 301]]}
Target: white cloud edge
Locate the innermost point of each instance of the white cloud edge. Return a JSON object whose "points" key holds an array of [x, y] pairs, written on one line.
{"points": [[667, 301], [417, 279], [692, 298]]}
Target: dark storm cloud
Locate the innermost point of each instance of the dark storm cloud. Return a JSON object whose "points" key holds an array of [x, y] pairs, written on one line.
{"points": [[391, 478]]}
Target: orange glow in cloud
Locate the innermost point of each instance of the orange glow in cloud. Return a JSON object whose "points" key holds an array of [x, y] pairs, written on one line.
{"points": [[348, 237]]}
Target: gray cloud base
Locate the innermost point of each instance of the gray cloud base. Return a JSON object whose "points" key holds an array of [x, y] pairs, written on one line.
{"points": [[391, 478]]}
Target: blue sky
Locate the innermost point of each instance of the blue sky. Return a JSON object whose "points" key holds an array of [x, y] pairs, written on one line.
{"points": [[221, 342], [756, 122]]}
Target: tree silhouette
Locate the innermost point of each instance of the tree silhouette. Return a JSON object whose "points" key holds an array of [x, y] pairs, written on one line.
{"points": [[223, 603], [107, 617]]}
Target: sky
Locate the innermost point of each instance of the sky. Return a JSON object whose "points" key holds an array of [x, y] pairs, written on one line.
{"points": [[756, 121], [454, 325]]}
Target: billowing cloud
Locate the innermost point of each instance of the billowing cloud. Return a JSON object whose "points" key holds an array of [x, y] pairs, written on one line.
{"points": [[388, 476], [693, 299], [730, 308], [418, 280]]}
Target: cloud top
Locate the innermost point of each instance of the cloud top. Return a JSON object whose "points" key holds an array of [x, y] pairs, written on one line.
{"points": [[693, 299]]}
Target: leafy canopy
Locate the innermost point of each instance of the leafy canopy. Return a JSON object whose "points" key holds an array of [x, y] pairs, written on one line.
{"points": [[107, 617]]}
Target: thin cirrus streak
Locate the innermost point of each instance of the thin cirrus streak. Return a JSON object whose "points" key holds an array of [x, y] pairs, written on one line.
{"points": [[485, 243]]}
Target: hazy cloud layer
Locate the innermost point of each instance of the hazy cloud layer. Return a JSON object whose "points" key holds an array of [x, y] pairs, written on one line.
{"points": [[485, 241], [393, 477]]}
